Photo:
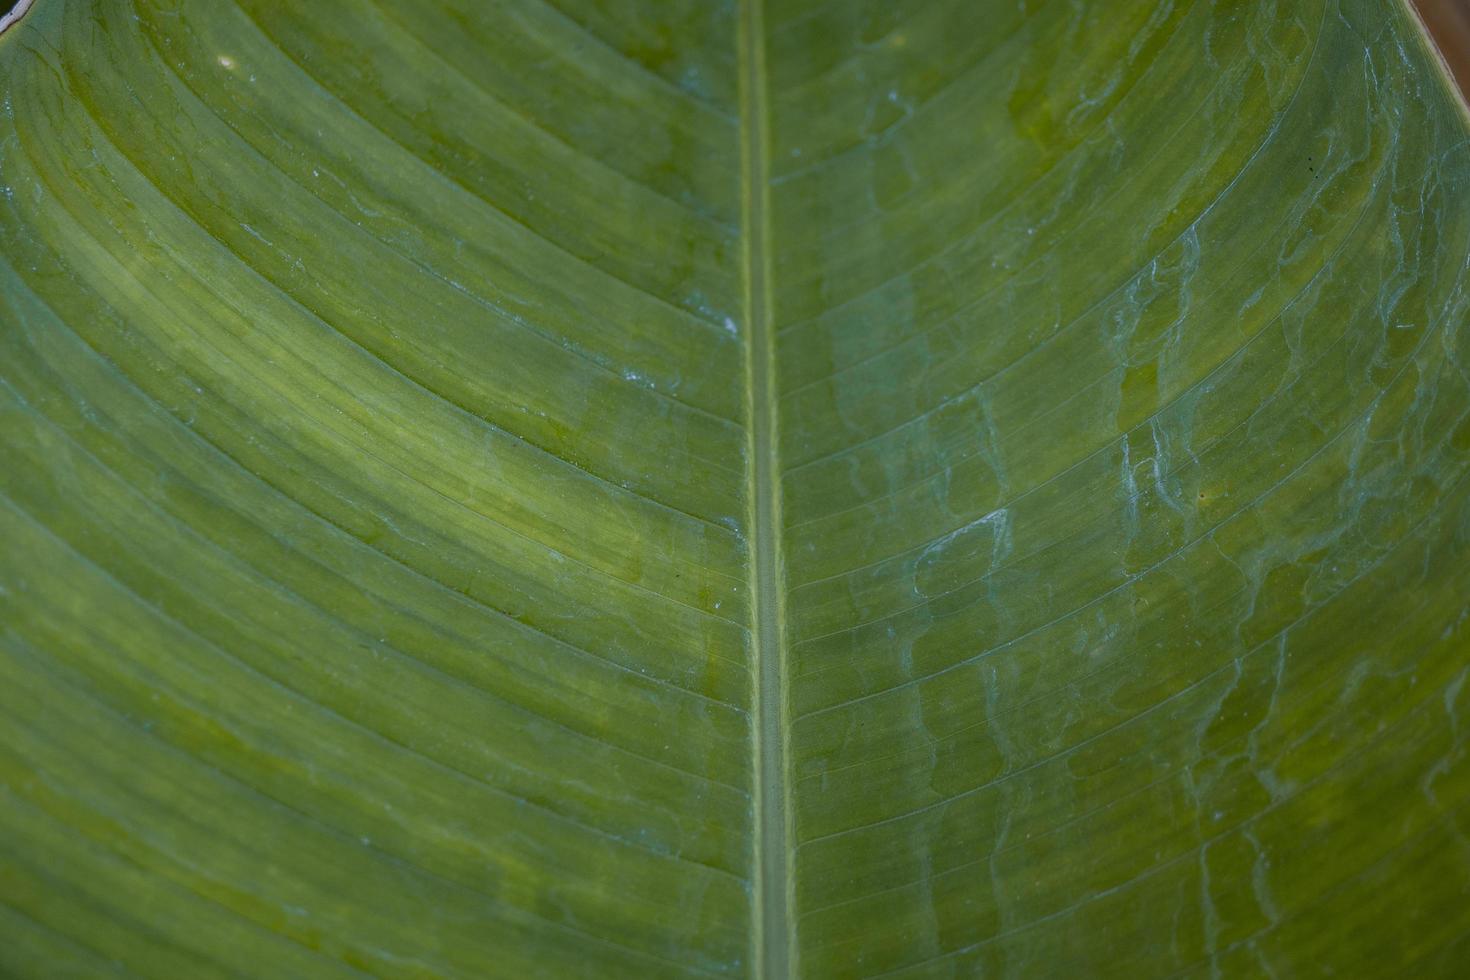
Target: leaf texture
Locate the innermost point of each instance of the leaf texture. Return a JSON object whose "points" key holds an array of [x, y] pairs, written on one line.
{"points": [[836, 488]]}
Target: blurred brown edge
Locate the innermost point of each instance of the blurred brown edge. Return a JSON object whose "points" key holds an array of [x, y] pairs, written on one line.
{"points": [[1446, 25]]}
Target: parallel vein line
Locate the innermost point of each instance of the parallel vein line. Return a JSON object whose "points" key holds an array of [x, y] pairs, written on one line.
{"points": [[1014, 199], [1355, 422], [1235, 359], [313, 608], [365, 451], [436, 172], [381, 853], [493, 613], [153, 610]]}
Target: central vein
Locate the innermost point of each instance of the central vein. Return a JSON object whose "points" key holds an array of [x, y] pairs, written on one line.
{"points": [[772, 941]]}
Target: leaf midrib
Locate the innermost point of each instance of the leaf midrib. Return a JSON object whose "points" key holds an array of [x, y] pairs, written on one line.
{"points": [[772, 938]]}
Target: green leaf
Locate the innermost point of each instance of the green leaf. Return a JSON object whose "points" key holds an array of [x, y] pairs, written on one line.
{"points": [[834, 488]]}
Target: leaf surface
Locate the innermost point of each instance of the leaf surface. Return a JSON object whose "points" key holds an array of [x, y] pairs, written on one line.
{"points": [[833, 488]]}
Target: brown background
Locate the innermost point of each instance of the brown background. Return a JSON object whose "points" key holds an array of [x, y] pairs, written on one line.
{"points": [[1449, 24]]}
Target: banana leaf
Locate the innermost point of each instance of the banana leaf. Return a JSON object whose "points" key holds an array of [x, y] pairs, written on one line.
{"points": [[640, 488]]}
